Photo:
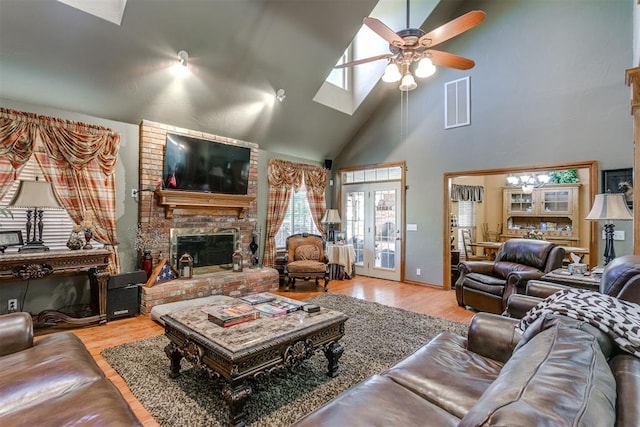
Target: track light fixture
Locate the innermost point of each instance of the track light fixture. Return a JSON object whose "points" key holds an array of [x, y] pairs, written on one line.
{"points": [[183, 58], [280, 95]]}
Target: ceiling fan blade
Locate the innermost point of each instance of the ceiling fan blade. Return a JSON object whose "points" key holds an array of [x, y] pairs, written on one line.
{"points": [[383, 31], [365, 60], [452, 28], [450, 60]]}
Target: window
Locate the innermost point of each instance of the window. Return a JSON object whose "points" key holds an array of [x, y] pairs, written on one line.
{"points": [[57, 223], [297, 219], [339, 76], [466, 220]]}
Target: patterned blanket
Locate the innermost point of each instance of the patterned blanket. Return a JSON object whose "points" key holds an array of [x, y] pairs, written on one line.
{"points": [[619, 319]]}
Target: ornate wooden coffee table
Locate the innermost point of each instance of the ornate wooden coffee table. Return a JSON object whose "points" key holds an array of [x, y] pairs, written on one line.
{"points": [[248, 350]]}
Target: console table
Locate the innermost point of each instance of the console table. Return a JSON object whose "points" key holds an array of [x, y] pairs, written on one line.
{"points": [[18, 266]]}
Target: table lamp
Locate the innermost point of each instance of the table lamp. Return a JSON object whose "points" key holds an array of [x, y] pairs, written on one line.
{"points": [[331, 218], [609, 207], [35, 196]]}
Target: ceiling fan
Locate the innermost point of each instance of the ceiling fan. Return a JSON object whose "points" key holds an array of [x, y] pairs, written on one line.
{"points": [[414, 45]]}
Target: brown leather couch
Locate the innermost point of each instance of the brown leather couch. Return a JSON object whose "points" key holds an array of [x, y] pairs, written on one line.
{"points": [[53, 381], [620, 279], [487, 285], [560, 372]]}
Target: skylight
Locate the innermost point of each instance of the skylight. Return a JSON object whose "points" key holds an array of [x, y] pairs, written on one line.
{"points": [[109, 10]]}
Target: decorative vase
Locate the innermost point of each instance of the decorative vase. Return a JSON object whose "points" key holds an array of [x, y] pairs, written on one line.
{"points": [[75, 242], [147, 263], [88, 235]]}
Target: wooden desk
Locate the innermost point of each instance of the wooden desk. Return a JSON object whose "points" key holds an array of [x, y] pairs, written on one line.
{"points": [[18, 266]]}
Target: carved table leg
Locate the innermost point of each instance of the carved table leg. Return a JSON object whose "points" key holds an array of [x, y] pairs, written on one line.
{"points": [[175, 356], [333, 351], [236, 395], [98, 280]]}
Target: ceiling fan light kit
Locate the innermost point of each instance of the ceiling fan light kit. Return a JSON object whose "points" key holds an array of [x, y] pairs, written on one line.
{"points": [[414, 45]]}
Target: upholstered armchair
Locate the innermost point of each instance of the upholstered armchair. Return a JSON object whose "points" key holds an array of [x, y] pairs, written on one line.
{"points": [[486, 286], [620, 279], [305, 259]]}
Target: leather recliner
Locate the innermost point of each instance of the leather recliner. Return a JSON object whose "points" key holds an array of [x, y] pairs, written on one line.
{"points": [[486, 286], [620, 279]]}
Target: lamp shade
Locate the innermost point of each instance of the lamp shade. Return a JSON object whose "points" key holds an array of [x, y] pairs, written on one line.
{"points": [[35, 194], [610, 206], [331, 216]]}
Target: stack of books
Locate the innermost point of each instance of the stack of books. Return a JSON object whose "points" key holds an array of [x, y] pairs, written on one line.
{"points": [[260, 298], [226, 316]]}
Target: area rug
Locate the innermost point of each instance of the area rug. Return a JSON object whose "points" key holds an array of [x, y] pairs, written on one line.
{"points": [[376, 337]]}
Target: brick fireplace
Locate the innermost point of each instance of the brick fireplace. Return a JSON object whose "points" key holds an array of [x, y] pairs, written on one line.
{"points": [[162, 210]]}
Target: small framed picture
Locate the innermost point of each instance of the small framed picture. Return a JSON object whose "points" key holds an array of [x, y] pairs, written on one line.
{"points": [[11, 238], [619, 181]]}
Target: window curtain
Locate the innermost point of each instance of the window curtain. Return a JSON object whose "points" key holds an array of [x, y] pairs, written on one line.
{"points": [[285, 177], [467, 193], [16, 147], [79, 160]]}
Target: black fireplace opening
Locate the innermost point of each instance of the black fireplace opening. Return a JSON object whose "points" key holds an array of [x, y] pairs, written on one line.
{"points": [[206, 249]]}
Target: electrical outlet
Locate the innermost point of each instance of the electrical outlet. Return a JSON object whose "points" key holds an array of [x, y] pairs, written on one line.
{"points": [[134, 192], [12, 305], [418, 271]]}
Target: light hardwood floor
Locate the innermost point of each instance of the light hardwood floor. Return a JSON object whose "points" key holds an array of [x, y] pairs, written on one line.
{"points": [[421, 299]]}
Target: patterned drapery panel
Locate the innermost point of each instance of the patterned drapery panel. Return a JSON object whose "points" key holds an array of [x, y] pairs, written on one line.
{"points": [[467, 193], [79, 160], [16, 147], [284, 178]]}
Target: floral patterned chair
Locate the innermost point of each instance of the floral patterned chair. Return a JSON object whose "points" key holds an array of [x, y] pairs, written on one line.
{"points": [[305, 259]]}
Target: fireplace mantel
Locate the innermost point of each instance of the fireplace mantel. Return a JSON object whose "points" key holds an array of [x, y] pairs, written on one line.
{"points": [[197, 203]]}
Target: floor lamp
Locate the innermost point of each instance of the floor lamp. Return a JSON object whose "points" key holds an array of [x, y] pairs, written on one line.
{"points": [[35, 196], [609, 207], [331, 218]]}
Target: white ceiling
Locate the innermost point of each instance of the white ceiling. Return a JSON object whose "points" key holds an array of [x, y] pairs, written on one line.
{"points": [[240, 52]]}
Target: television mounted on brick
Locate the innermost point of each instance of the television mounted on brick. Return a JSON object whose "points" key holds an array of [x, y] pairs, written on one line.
{"points": [[194, 164]]}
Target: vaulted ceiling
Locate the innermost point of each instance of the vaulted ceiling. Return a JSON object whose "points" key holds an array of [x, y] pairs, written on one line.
{"points": [[240, 53]]}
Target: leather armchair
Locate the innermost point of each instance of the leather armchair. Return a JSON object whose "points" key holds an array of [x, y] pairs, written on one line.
{"points": [[620, 279], [486, 286]]}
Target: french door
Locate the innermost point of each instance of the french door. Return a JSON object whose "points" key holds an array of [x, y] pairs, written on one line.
{"points": [[372, 222]]}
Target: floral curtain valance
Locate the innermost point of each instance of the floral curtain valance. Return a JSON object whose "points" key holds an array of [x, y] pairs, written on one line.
{"points": [[467, 193]]}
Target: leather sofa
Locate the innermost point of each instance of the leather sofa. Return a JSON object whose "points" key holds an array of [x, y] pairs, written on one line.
{"points": [[487, 285], [53, 381], [559, 372], [620, 279]]}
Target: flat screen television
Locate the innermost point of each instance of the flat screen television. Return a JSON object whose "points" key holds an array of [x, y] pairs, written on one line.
{"points": [[193, 164]]}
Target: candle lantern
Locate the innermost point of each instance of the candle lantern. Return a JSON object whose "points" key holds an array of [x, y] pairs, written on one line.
{"points": [[185, 266], [237, 260]]}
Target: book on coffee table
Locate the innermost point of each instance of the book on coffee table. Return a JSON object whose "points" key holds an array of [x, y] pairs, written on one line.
{"points": [[231, 315], [271, 310], [259, 298], [289, 305]]}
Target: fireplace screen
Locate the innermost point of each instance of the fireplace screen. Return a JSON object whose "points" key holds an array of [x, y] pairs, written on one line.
{"points": [[207, 247]]}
